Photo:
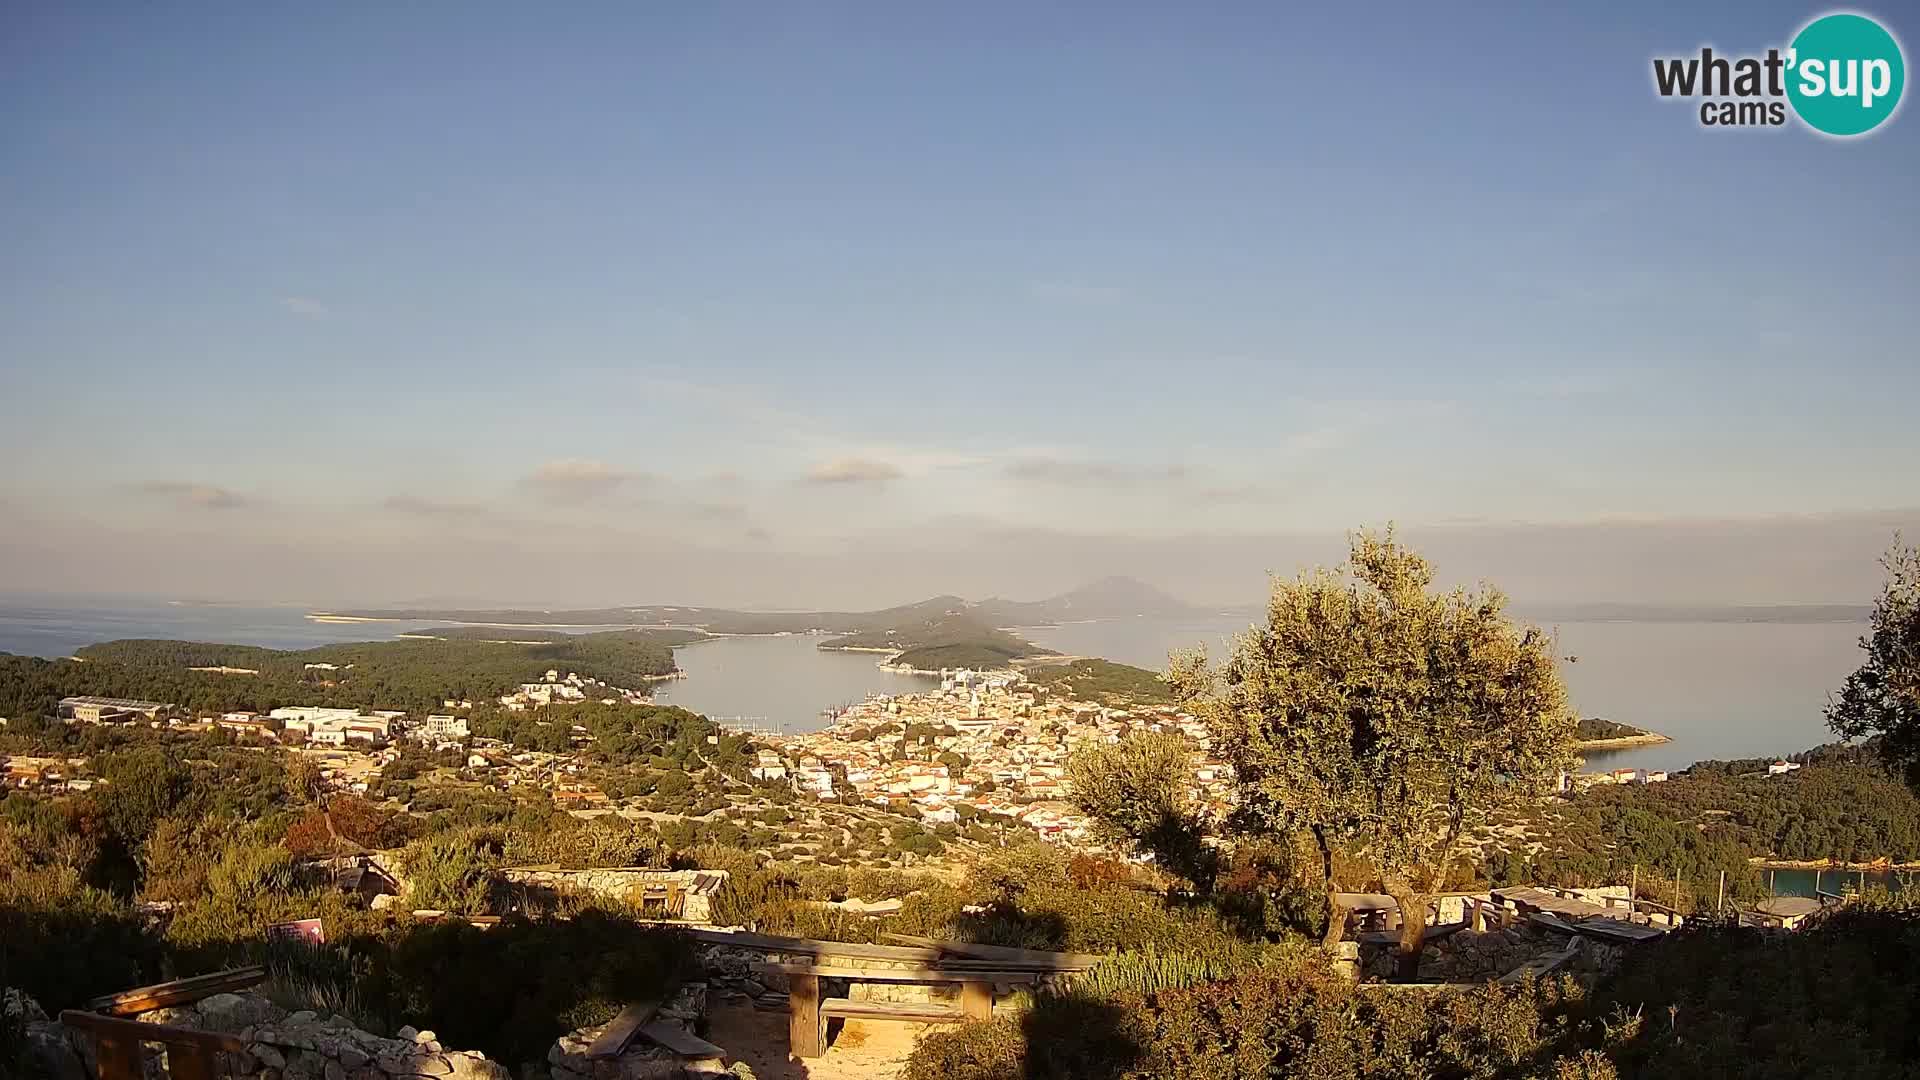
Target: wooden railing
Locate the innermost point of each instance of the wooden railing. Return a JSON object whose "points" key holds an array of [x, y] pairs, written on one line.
{"points": [[191, 1055]]}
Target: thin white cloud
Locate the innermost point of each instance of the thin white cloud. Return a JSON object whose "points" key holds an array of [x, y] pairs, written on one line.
{"points": [[191, 496], [1112, 475], [306, 307], [864, 472], [571, 481]]}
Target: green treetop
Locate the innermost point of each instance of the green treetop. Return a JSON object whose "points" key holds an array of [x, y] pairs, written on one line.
{"points": [[1380, 715]]}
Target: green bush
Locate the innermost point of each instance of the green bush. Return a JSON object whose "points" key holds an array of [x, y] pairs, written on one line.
{"points": [[451, 871], [1291, 1018]]}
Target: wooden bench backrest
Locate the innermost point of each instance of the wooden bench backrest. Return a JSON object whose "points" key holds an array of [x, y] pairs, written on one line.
{"points": [[190, 1054]]}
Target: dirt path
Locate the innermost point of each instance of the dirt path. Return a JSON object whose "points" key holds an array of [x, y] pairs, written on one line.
{"points": [[862, 1050]]}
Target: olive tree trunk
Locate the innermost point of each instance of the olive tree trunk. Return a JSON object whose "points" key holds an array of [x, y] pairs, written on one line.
{"points": [[1413, 933]]}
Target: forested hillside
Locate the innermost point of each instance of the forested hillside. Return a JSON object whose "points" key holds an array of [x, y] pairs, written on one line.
{"points": [[406, 674]]}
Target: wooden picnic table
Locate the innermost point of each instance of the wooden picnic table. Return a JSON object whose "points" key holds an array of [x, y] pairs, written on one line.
{"points": [[808, 1012]]}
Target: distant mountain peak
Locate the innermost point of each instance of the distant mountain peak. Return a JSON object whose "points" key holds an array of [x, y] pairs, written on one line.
{"points": [[1110, 597]]}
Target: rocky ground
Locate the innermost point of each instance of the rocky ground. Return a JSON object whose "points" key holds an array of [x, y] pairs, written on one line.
{"points": [[308, 1046], [862, 1050]]}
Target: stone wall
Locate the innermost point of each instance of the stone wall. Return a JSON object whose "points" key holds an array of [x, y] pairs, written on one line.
{"points": [[1468, 957], [627, 884], [280, 1045], [308, 1046]]}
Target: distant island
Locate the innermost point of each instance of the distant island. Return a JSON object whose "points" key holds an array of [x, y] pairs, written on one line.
{"points": [[1108, 598], [939, 632], [1597, 734], [1701, 613]]}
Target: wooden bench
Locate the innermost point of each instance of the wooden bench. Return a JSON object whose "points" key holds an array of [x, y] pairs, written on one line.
{"points": [[117, 1049], [808, 1012]]}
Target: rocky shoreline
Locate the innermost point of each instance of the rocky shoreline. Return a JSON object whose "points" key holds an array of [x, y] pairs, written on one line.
{"points": [[1649, 738]]}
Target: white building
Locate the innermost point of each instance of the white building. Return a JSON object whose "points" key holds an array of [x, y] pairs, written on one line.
{"points": [[308, 714]]}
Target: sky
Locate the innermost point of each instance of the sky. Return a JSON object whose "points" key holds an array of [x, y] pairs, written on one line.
{"points": [[847, 304]]}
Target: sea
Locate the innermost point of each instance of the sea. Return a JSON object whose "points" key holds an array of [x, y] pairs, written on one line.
{"points": [[1716, 689]]}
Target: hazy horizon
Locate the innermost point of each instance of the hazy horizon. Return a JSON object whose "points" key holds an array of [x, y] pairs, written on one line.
{"points": [[1828, 559]]}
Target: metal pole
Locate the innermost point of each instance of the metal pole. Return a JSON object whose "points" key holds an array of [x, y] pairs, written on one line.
{"points": [[1720, 905]]}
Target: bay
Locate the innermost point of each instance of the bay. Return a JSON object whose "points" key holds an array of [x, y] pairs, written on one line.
{"points": [[1799, 882], [781, 681]]}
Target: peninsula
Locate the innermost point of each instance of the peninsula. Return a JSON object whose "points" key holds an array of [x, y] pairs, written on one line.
{"points": [[1597, 734]]}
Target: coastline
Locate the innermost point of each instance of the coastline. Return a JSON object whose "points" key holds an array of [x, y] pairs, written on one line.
{"points": [[1649, 738]]}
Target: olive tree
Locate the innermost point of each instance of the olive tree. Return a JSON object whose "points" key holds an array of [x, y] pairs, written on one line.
{"points": [[1138, 789], [1882, 698], [1384, 717]]}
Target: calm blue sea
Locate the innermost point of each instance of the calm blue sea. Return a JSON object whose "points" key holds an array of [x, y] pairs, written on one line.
{"points": [[56, 628], [1717, 689]]}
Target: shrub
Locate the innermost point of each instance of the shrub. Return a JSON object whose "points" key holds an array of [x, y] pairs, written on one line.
{"points": [[512, 990], [1292, 1017], [450, 871]]}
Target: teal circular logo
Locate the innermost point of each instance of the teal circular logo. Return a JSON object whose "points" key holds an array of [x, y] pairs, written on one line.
{"points": [[1845, 74]]}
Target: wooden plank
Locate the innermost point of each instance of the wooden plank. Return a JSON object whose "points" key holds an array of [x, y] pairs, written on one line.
{"points": [[1038, 959], [109, 1027], [118, 1057], [177, 992], [976, 1000], [905, 975], [812, 947], [189, 1062], [613, 1040], [680, 1040], [806, 1024], [921, 1011], [1540, 965]]}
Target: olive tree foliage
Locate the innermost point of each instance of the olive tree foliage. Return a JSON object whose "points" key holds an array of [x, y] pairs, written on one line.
{"points": [[1883, 697], [1382, 716], [1138, 790]]}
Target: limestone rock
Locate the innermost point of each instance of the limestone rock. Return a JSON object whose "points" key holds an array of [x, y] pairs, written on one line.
{"points": [[476, 1067], [49, 1054], [407, 1032], [173, 1017], [233, 1013], [18, 1006], [269, 1055]]}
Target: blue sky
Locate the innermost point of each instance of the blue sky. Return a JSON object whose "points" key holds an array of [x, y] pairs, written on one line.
{"points": [[864, 301]]}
